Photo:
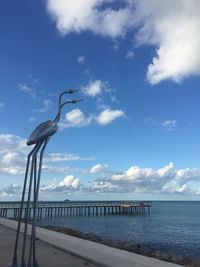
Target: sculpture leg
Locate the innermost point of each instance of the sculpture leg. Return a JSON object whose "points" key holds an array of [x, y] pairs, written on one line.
{"points": [[36, 193], [14, 260], [23, 264], [34, 208]]}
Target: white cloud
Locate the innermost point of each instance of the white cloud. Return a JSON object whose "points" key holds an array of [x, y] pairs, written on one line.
{"points": [[108, 115], [27, 90], [129, 55], [31, 87], [81, 59], [9, 157], [188, 175], [136, 173], [102, 106], [68, 185], [23, 87], [2, 104], [60, 157], [183, 189], [12, 170], [170, 125], [70, 181], [102, 187], [55, 169], [98, 168], [12, 143], [76, 118], [166, 180], [13, 155], [78, 15], [47, 104], [10, 190], [150, 121], [198, 192], [172, 27], [32, 119], [94, 88]]}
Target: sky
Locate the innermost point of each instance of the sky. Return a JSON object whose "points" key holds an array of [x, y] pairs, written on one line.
{"points": [[136, 134]]}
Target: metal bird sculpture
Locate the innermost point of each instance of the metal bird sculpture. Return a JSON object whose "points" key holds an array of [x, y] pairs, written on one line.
{"points": [[39, 138]]}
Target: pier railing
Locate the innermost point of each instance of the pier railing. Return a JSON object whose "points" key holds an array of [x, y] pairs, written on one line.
{"points": [[74, 208]]}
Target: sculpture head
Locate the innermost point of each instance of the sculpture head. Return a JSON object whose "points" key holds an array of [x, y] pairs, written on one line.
{"points": [[71, 91], [61, 105]]}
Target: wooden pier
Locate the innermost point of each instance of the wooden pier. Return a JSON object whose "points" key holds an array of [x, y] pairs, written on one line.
{"points": [[52, 209]]}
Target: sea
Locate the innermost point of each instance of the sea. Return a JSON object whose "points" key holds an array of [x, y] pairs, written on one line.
{"points": [[172, 227]]}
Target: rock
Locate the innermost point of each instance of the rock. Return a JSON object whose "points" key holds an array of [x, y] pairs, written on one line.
{"points": [[129, 246]]}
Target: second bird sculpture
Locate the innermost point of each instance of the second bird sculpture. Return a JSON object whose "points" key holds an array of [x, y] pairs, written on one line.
{"points": [[39, 137]]}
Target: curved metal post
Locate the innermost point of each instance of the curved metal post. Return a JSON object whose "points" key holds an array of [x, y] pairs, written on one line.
{"points": [[36, 193], [23, 264], [34, 211], [14, 261]]}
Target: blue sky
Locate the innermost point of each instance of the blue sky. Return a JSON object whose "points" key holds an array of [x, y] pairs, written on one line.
{"points": [[136, 135]]}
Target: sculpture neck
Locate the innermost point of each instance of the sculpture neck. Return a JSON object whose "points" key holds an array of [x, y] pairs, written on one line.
{"points": [[57, 118]]}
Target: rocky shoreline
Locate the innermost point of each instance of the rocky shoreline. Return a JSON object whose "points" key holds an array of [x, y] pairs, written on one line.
{"points": [[128, 246]]}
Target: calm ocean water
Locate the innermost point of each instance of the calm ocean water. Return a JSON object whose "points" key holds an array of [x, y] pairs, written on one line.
{"points": [[171, 226]]}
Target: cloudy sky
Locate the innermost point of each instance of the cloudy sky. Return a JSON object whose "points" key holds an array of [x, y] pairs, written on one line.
{"points": [[137, 133]]}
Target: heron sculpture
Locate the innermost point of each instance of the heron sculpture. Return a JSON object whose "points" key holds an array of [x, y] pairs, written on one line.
{"points": [[39, 138]]}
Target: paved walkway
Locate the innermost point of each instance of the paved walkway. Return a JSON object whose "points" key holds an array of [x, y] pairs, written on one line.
{"points": [[48, 256], [94, 252]]}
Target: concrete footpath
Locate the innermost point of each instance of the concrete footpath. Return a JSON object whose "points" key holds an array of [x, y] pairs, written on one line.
{"points": [[47, 255], [95, 254]]}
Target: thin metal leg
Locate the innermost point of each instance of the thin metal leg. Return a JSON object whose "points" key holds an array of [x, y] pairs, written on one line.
{"points": [[14, 260], [40, 167], [23, 264], [36, 193], [34, 210]]}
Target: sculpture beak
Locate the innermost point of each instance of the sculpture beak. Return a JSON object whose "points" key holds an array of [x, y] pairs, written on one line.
{"points": [[73, 91], [76, 101]]}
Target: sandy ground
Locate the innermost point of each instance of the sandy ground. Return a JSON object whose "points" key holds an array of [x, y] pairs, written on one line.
{"points": [[47, 255]]}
